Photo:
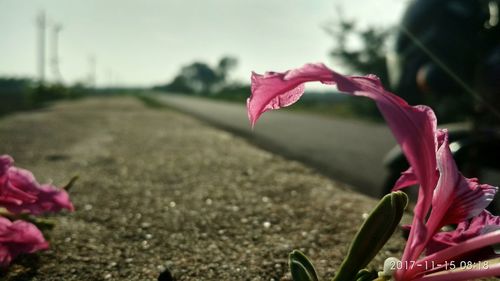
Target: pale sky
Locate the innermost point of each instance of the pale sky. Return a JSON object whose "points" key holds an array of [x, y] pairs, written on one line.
{"points": [[142, 43]]}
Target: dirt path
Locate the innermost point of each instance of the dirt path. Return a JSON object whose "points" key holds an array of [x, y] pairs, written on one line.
{"points": [[160, 189], [351, 151]]}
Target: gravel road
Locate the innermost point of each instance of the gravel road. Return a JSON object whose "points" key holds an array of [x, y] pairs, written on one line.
{"points": [[347, 150], [159, 189]]}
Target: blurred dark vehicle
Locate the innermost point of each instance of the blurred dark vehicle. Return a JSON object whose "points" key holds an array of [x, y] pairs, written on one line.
{"points": [[447, 55], [444, 50]]}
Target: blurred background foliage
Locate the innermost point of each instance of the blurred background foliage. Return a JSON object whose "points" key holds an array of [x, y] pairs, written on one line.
{"points": [[17, 94], [25, 94]]}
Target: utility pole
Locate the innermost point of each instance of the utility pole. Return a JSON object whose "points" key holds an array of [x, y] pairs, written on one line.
{"points": [[41, 25], [92, 71], [55, 52]]}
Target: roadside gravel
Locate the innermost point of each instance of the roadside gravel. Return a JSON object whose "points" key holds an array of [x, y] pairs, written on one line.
{"points": [[159, 189]]}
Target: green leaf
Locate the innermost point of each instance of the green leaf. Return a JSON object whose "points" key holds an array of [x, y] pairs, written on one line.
{"points": [[301, 268], [373, 234]]}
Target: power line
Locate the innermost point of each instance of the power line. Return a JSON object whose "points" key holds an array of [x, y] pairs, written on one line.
{"points": [[468, 89]]}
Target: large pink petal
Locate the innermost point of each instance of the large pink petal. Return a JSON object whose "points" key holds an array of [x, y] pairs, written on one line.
{"points": [[414, 127], [447, 185], [455, 197]]}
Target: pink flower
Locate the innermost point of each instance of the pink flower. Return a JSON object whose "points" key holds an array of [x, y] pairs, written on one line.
{"points": [[18, 237], [445, 196], [20, 192]]}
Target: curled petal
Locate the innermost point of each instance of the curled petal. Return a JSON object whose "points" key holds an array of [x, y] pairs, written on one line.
{"points": [[453, 198], [408, 178], [275, 90], [414, 127]]}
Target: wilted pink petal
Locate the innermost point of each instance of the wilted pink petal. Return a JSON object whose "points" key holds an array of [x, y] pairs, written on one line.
{"points": [[49, 199], [464, 247], [18, 237], [414, 127], [20, 192], [463, 275], [481, 224]]}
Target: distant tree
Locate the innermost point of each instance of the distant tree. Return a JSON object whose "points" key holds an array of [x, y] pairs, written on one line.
{"points": [[361, 50], [226, 64], [177, 85], [201, 78]]}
